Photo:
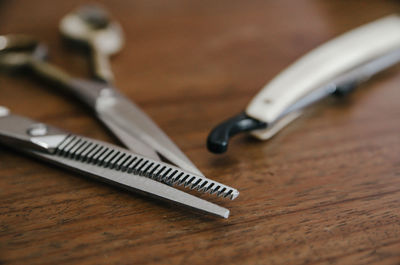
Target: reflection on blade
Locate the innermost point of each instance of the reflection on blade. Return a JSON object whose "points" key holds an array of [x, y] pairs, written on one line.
{"points": [[110, 163], [128, 122], [136, 183], [89, 151], [130, 142]]}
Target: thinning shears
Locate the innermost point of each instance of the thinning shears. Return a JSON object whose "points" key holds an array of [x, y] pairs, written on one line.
{"points": [[109, 163], [92, 27]]}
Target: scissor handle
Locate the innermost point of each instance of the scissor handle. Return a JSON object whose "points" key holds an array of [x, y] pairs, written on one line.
{"points": [[23, 52], [86, 91], [92, 26]]}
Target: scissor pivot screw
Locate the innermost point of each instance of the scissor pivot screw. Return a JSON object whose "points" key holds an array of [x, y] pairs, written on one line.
{"points": [[38, 129]]}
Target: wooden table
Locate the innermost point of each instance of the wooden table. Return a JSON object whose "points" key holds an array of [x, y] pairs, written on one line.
{"points": [[326, 190]]}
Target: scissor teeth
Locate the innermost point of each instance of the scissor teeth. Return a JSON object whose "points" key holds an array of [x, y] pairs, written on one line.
{"points": [[100, 152], [171, 176], [86, 153], [215, 190], [125, 165], [91, 157], [106, 161], [153, 169], [158, 173], [146, 171], [65, 150], [79, 152], [221, 192], [181, 181], [202, 186], [92, 152], [133, 165], [73, 151], [187, 184], [114, 162], [208, 188], [118, 164], [176, 178], [164, 175], [228, 194], [155, 174], [140, 166], [65, 143], [176, 182], [152, 176], [196, 184], [235, 193], [102, 161]]}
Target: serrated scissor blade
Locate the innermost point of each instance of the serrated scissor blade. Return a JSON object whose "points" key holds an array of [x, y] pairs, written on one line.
{"points": [[109, 163], [136, 183], [129, 123], [89, 151]]}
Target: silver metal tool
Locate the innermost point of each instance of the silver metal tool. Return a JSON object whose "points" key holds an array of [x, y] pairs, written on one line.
{"points": [[91, 25], [336, 67], [109, 163], [126, 120]]}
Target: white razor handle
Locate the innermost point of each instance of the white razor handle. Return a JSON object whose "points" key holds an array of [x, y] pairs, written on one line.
{"points": [[348, 59], [335, 67]]}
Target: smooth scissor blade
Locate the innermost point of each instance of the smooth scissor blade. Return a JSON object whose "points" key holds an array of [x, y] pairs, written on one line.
{"points": [[132, 126]]}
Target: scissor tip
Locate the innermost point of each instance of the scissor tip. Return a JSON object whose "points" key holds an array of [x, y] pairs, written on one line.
{"points": [[4, 111], [226, 215]]}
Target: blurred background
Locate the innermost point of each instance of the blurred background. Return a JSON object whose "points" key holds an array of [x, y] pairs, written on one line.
{"points": [[323, 191]]}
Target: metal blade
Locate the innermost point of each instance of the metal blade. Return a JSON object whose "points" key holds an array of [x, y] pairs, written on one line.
{"points": [[136, 183], [131, 142], [129, 123], [109, 163], [89, 151]]}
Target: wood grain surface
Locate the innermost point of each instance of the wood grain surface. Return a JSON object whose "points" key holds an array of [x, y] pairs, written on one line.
{"points": [[326, 190]]}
